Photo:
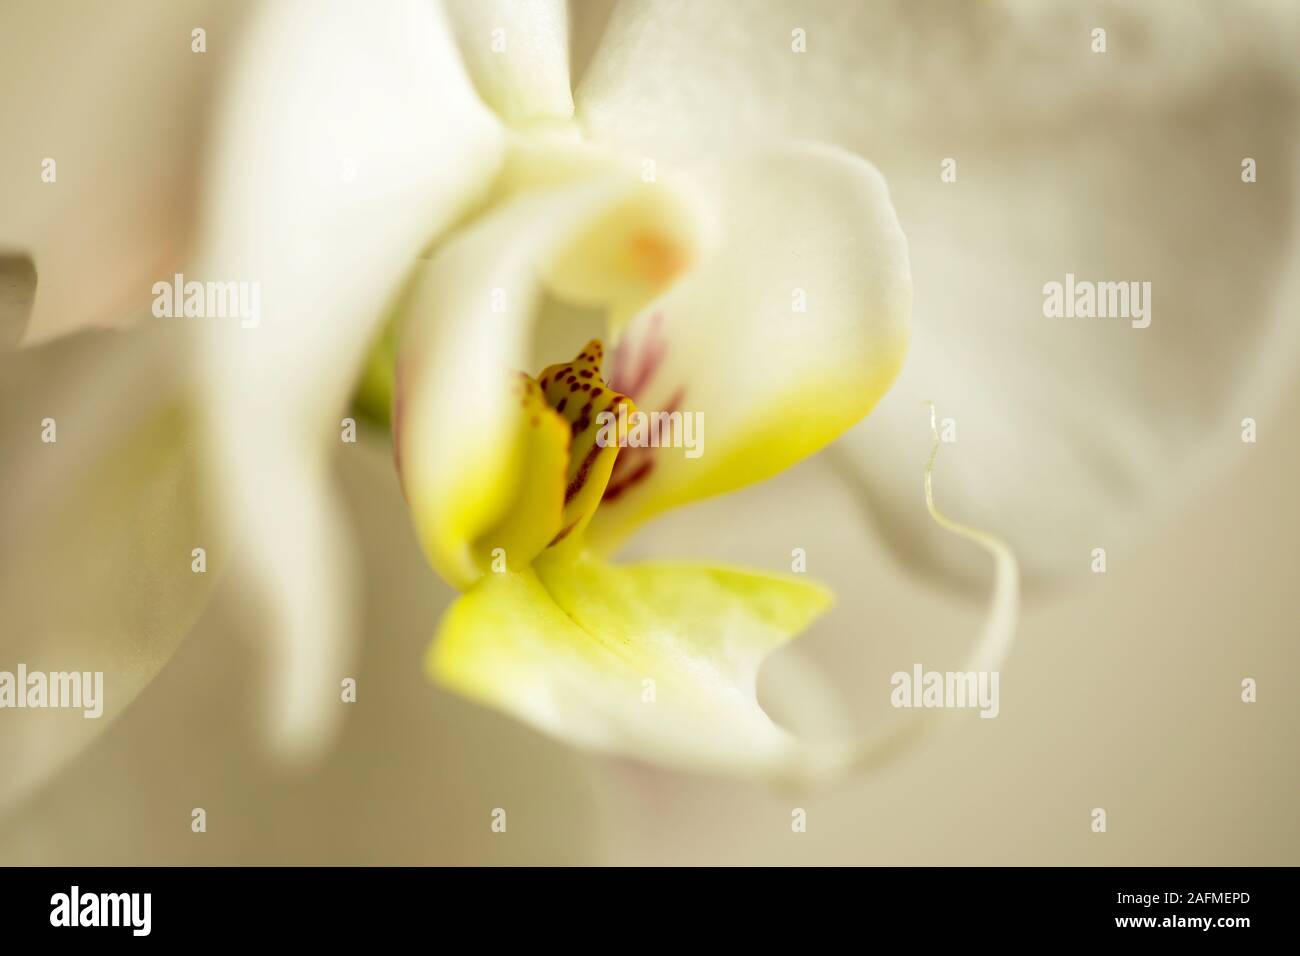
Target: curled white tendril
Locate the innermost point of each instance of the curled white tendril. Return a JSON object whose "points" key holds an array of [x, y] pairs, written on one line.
{"points": [[830, 762]]}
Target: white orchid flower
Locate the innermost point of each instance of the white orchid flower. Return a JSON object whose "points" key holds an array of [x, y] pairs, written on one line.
{"points": [[431, 162]]}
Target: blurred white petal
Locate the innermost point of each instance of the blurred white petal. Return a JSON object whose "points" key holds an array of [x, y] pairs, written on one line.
{"points": [[517, 52], [99, 527], [114, 95], [1122, 167], [349, 141]]}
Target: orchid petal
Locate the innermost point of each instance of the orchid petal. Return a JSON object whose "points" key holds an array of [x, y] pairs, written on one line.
{"points": [[351, 138], [782, 337], [1085, 432], [115, 96], [656, 661], [100, 524], [517, 51]]}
